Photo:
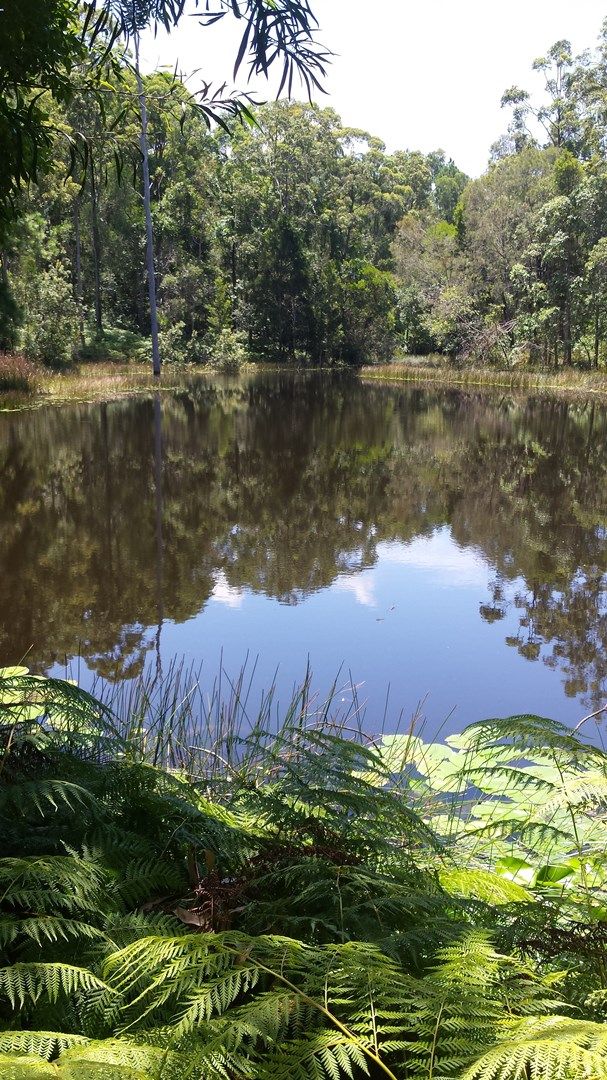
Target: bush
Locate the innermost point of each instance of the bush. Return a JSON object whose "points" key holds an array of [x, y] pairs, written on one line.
{"points": [[17, 373], [334, 906], [172, 343], [228, 353], [368, 302], [51, 320], [116, 345], [9, 317]]}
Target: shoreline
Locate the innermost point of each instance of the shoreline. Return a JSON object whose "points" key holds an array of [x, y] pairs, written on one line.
{"points": [[589, 384], [96, 382]]}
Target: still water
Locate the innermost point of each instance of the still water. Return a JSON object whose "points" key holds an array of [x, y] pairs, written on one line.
{"points": [[436, 546]]}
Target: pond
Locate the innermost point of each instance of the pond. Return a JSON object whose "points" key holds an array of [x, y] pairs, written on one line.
{"points": [[444, 551]]}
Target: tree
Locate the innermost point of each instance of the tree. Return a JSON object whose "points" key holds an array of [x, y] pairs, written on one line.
{"points": [[38, 45], [277, 30], [558, 116]]}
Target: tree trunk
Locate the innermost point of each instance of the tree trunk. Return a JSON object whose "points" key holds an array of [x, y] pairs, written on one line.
{"points": [[159, 540], [149, 228], [96, 247], [597, 336], [567, 345], [78, 269]]}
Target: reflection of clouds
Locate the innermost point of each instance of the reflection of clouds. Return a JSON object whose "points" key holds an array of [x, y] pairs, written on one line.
{"points": [[450, 565], [225, 593], [362, 585]]}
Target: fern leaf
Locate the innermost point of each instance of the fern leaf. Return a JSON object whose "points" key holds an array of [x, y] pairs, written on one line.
{"points": [[26, 1067], [27, 983], [483, 885], [557, 1048], [44, 1044]]}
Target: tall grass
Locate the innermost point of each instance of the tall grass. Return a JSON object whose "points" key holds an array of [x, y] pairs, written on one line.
{"points": [[18, 374], [426, 371], [178, 721]]}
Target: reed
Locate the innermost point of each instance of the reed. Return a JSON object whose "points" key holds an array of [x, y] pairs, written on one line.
{"points": [[570, 381]]}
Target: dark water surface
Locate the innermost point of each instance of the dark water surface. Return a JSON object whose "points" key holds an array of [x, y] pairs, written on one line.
{"points": [[449, 545]]}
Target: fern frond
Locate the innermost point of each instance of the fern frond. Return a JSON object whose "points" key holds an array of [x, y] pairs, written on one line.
{"points": [[50, 928], [557, 1048], [217, 997], [47, 883], [324, 1056], [525, 732], [145, 1061], [27, 983], [26, 1067], [45, 1044], [483, 885], [41, 796]]}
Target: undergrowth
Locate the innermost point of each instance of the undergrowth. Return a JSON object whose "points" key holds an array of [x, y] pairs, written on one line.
{"points": [[18, 374], [305, 904]]}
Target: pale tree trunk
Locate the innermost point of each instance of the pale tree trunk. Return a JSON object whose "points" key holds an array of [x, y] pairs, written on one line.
{"points": [[78, 268], [149, 229], [159, 540], [96, 247]]}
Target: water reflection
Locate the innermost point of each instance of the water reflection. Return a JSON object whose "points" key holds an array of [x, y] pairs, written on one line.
{"points": [[127, 529]]}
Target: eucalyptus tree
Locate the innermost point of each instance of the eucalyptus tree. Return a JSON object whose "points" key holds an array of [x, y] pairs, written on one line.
{"points": [[273, 30], [557, 116]]}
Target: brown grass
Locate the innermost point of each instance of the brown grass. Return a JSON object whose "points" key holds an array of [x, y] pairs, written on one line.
{"points": [[18, 374]]}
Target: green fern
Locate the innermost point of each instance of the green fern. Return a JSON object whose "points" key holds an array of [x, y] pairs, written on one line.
{"points": [[557, 1048], [44, 1044], [25, 984], [26, 1067]]}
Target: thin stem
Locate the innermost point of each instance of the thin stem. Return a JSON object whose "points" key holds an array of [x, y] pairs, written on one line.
{"points": [[149, 228], [330, 1016]]}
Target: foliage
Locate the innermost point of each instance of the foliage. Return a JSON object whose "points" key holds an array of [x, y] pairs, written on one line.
{"points": [[323, 907], [283, 229], [228, 353], [51, 327], [37, 45], [280, 231]]}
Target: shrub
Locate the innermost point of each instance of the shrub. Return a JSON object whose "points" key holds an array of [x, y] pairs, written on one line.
{"points": [[51, 324], [116, 344], [228, 353], [17, 373], [172, 343]]}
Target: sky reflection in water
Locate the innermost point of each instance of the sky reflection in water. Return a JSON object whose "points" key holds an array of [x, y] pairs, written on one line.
{"points": [[448, 546]]}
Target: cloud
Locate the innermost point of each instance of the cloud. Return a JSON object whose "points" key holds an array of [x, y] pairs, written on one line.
{"points": [[224, 593], [361, 585], [450, 565]]}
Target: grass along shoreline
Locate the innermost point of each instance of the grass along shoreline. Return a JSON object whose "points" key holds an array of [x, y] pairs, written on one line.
{"points": [[569, 381], [100, 381]]}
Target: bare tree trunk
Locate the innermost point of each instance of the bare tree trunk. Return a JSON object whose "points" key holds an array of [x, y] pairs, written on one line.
{"points": [[149, 228], [78, 269], [159, 541], [96, 247], [597, 337], [567, 343]]}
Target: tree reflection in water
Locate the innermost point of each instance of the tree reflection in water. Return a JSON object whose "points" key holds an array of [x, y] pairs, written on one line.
{"points": [[278, 484]]}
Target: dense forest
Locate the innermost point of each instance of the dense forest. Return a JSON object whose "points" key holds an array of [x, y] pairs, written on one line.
{"points": [[293, 237]]}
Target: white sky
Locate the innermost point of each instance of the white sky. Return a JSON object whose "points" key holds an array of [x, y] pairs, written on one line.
{"points": [[419, 75]]}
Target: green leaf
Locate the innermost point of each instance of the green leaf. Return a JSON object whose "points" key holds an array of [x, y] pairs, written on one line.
{"points": [[483, 885]]}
